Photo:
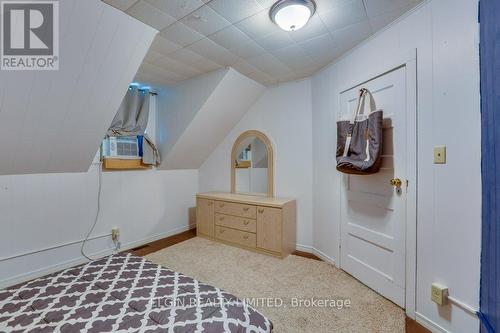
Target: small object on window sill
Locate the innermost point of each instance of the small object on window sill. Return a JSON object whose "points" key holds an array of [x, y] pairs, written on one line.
{"points": [[115, 164]]}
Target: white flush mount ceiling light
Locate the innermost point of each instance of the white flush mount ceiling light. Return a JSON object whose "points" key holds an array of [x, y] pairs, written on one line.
{"points": [[292, 15]]}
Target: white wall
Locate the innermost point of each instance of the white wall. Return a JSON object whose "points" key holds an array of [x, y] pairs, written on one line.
{"points": [[283, 113], [445, 33], [229, 99], [49, 210], [51, 121]]}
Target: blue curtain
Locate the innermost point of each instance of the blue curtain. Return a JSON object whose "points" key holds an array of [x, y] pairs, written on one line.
{"points": [[489, 16]]}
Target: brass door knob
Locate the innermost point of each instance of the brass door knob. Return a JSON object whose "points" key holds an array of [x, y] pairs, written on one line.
{"points": [[396, 182]]}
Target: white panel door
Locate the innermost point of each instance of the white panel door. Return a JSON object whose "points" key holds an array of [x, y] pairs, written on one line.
{"points": [[373, 212]]}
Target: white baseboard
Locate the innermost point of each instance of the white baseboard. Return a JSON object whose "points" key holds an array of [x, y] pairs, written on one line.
{"points": [[316, 252], [324, 257], [429, 324], [304, 248], [147, 240], [81, 260]]}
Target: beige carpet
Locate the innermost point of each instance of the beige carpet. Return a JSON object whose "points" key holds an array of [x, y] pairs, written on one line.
{"points": [[247, 274]]}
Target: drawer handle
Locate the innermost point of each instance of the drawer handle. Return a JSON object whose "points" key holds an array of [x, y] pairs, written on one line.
{"points": [[221, 231], [261, 210], [210, 203], [221, 205], [245, 209], [246, 222], [221, 218], [245, 237]]}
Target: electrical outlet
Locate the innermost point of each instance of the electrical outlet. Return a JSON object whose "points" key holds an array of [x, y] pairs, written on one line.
{"points": [[440, 155], [439, 293], [115, 234]]}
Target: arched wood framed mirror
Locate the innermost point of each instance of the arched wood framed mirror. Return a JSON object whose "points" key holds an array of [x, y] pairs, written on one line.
{"points": [[252, 164]]}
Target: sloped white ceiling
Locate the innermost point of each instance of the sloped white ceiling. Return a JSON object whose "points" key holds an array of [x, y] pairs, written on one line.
{"points": [[199, 36], [197, 115], [53, 121]]}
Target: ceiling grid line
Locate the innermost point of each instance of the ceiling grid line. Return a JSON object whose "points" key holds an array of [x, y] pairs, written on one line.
{"points": [[203, 35]]}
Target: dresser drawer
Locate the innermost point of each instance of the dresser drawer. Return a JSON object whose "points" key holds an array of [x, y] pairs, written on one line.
{"points": [[240, 223], [235, 236], [236, 209]]}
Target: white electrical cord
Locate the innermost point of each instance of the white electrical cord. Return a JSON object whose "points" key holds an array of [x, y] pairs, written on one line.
{"points": [[462, 305], [99, 177]]}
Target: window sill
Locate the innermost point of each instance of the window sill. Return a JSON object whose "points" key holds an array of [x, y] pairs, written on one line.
{"points": [[116, 164]]}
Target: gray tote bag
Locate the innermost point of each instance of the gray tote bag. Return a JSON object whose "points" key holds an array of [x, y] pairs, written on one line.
{"points": [[359, 139]]}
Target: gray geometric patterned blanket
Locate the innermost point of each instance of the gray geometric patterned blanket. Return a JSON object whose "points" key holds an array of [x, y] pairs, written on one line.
{"points": [[124, 293]]}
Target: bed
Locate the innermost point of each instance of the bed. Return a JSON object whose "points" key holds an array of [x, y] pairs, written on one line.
{"points": [[124, 293]]}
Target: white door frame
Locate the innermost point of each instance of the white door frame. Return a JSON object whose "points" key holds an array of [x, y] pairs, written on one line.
{"points": [[409, 61]]}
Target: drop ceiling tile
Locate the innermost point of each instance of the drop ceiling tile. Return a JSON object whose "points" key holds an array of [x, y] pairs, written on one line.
{"points": [[206, 65], [299, 63], [167, 63], [214, 52], [308, 71], [288, 77], [248, 49], [235, 11], [267, 4], [186, 56], [159, 72], [181, 34], [289, 53], [295, 58], [341, 17], [352, 35], [188, 71], [205, 20], [260, 76], [275, 40], [322, 44], [258, 25], [327, 5], [152, 56], [292, 51], [148, 14], [380, 21], [229, 37], [177, 9], [155, 80], [314, 28], [269, 64], [121, 4], [324, 57], [379, 7], [171, 65], [163, 45], [244, 67]]}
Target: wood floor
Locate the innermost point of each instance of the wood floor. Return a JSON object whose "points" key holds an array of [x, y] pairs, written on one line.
{"points": [[163, 243], [411, 325]]}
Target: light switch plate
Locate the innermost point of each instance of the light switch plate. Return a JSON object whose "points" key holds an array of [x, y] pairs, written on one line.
{"points": [[440, 155]]}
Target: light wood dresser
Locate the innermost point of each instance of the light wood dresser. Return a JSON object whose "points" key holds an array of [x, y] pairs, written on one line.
{"points": [[258, 223]]}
